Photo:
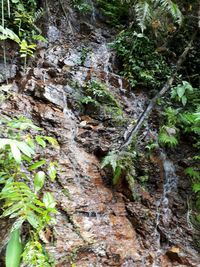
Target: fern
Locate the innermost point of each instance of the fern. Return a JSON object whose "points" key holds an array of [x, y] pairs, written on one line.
{"points": [[172, 8], [143, 14], [167, 139], [38, 14], [149, 11], [23, 204], [18, 175], [190, 171], [119, 161]]}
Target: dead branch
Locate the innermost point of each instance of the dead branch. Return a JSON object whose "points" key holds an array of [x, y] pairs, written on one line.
{"points": [[152, 102]]}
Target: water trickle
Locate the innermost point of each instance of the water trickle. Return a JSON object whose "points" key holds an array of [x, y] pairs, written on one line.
{"points": [[93, 13], [70, 118], [170, 184], [164, 213]]}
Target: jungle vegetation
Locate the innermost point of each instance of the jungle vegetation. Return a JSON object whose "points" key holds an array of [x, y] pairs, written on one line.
{"points": [[152, 35]]}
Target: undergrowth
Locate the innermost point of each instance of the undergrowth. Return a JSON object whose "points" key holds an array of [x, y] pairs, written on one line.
{"points": [[183, 122], [142, 65], [96, 96], [22, 177]]}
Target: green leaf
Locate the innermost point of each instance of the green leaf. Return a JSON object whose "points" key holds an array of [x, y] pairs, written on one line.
{"points": [[39, 139], [180, 91], [110, 159], [192, 173], [17, 224], [15, 151], [117, 175], [196, 187], [51, 140], [12, 209], [184, 100], [52, 171], [36, 165], [39, 180], [27, 150], [33, 219], [48, 200], [8, 34], [14, 250]]}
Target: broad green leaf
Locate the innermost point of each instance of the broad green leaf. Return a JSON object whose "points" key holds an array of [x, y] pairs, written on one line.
{"points": [[184, 100], [30, 142], [180, 91], [27, 150], [39, 180], [52, 171], [14, 250], [37, 165], [8, 34], [33, 219], [187, 86], [12, 209], [15, 151], [17, 224], [39, 139], [48, 200]]}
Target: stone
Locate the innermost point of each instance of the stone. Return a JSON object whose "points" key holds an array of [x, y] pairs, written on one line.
{"points": [[7, 73], [53, 34]]}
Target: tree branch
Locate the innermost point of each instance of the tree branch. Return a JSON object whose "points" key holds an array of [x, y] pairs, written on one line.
{"points": [[152, 102]]}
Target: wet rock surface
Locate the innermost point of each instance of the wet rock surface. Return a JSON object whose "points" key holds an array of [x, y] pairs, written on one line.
{"points": [[96, 224]]}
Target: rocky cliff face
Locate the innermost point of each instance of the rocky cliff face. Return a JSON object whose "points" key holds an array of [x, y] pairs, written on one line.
{"points": [[98, 224]]}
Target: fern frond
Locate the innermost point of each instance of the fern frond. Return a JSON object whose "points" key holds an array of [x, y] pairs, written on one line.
{"points": [[38, 14], [23, 204], [143, 14], [167, 139], [170, 7]]}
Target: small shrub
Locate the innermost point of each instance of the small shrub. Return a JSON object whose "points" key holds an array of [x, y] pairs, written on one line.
{"points": [[141, 64]]}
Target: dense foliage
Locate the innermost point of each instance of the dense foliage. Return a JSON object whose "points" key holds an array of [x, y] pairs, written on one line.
{"points": [[142, 64], [148, 49], [22, 177], [153, 34]]}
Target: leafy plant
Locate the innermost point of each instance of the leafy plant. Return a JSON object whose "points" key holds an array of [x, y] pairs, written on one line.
{"points": [[8, 34], [97, 94], [120, 162], [180, 92], [155, 13], [168, 132], [19, 175], [167, 136], [18, 24], [82, 6], [84, 53], [114, 11], [141, 64], [34, 255], [26, 50]]}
